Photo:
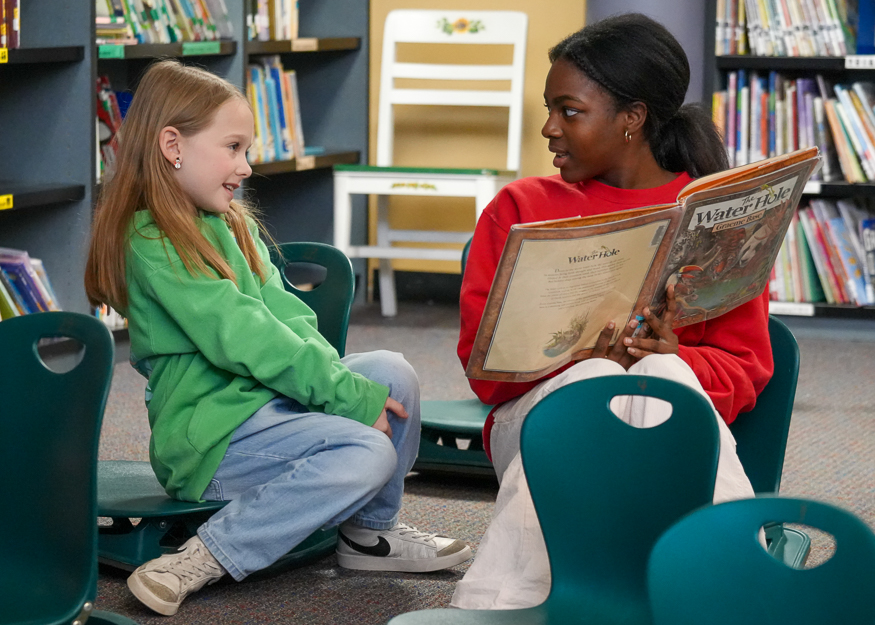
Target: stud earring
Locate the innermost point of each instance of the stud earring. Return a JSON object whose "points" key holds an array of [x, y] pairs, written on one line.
{"points": [[178, 162], [627, 135]]}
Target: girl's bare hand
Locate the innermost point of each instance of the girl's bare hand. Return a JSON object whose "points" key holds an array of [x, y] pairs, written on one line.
{"points": [[382, 422], [617, 352], [662, 339]]}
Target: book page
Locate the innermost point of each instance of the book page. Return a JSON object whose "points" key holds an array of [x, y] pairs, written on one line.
{"points": [[555, 289]]}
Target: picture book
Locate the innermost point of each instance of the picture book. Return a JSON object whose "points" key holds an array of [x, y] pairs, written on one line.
{"points": [[559, 282]]}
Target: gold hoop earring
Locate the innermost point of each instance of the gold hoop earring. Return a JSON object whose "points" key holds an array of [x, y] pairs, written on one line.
{"points": [[628, 136]]}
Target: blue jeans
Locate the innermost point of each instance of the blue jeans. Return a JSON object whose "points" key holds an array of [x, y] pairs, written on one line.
{"points": [[289, 472]]}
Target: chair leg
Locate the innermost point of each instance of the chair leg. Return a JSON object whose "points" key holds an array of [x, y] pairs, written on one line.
{"points": [[388, 305]]}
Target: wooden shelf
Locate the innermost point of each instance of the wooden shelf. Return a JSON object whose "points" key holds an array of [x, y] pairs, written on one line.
{"points": [[823, 310], [308, 162], [307, 44], [158, 50], [16, 196], [67, 54], [840, 189]]}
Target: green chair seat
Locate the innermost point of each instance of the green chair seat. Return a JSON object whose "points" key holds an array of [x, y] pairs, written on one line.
{"points": [[445, 424]]}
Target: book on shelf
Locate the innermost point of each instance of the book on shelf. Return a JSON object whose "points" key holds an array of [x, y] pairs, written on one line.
{"points": [[559, 282], [10, 25], [24, 284], [109, 119], [791, 27], [273, 95], [126, 22], [272, 20], [829, 262], [761, 116]]}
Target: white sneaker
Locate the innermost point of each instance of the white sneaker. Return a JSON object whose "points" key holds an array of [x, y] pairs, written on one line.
{"points": [[402, 548], [164, 582]]}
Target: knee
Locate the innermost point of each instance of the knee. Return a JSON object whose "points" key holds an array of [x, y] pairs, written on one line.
{"points": [[375, 460], [389, 369]]}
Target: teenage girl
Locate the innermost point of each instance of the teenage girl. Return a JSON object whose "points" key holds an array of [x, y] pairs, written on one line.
{"points": [[247, 401], [622, 138]]}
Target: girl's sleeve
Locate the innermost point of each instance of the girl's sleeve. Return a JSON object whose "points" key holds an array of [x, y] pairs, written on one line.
{"points": [[731, 356], [483, 257], [278, 346]]}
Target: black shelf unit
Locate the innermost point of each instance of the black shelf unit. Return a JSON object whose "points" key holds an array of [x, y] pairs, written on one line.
{"points": [[18, 196], [836, 68], [66, 54], [48, 109]]}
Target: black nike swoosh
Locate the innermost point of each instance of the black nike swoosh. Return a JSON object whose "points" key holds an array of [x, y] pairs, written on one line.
{"points": [[381, 549]]}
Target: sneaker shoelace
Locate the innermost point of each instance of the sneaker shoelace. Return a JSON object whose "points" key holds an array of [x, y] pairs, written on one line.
{"points": [[187, 568], [404, 529]]}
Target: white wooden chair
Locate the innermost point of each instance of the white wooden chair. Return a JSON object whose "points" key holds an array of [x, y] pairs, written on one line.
{"points": [[384, 179]]}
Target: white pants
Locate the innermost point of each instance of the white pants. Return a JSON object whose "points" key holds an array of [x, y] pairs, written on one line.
{"points": [[511, 569]]}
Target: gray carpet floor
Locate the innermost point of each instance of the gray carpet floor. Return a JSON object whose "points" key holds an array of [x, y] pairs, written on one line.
{"points": [[830, 457]]}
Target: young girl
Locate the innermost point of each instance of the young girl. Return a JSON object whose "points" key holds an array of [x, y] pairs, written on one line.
{"points": [[622, 138], [247, 401]]}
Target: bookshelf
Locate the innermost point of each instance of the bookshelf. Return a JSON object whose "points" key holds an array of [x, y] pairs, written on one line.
{"points": [[47, 121], [838, 69]]}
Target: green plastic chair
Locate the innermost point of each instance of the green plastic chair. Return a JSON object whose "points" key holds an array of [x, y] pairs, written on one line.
{"points": [[129, 489], [761, 438], [604, 492], [48, 454], [710, 568], [332, 298]]}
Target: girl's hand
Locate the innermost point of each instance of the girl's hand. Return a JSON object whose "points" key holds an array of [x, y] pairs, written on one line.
{"points": [[662, 339], [618, 352], [382, 423]]}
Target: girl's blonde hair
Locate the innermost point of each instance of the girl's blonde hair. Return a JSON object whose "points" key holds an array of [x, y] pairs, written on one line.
{"points": [[187, 98]]}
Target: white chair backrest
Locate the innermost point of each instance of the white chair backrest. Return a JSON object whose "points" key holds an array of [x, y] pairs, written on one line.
{"points": [[462, 27]]}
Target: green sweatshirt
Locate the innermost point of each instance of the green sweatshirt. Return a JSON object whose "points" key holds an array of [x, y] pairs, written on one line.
{"points": [[215, 353]]}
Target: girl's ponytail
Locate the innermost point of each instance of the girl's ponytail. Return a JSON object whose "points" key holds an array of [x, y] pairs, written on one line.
{"points": [[689, 142]]}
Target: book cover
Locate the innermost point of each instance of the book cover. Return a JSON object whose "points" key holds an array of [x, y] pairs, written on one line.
{"points": [[8, 307], [826, 281], [559, 282], [867, 231], [18, 277], [296, 108], [20, 305], [833, 268], [814, 287], [19, 269]]}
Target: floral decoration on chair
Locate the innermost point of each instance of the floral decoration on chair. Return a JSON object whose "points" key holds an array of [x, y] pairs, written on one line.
{"points": [[461, 25]]}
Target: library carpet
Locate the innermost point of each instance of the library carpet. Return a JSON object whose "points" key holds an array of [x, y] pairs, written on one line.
{"points": [[830, 457]]}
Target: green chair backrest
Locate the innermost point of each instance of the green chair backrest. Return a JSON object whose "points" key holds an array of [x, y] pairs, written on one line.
{"points": [[605, 491], [332, 299], [695, 579], [50, 424], [761, 434]]}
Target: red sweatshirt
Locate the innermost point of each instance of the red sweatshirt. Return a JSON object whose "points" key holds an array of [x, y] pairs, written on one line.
{"points": [[730, 355]]}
